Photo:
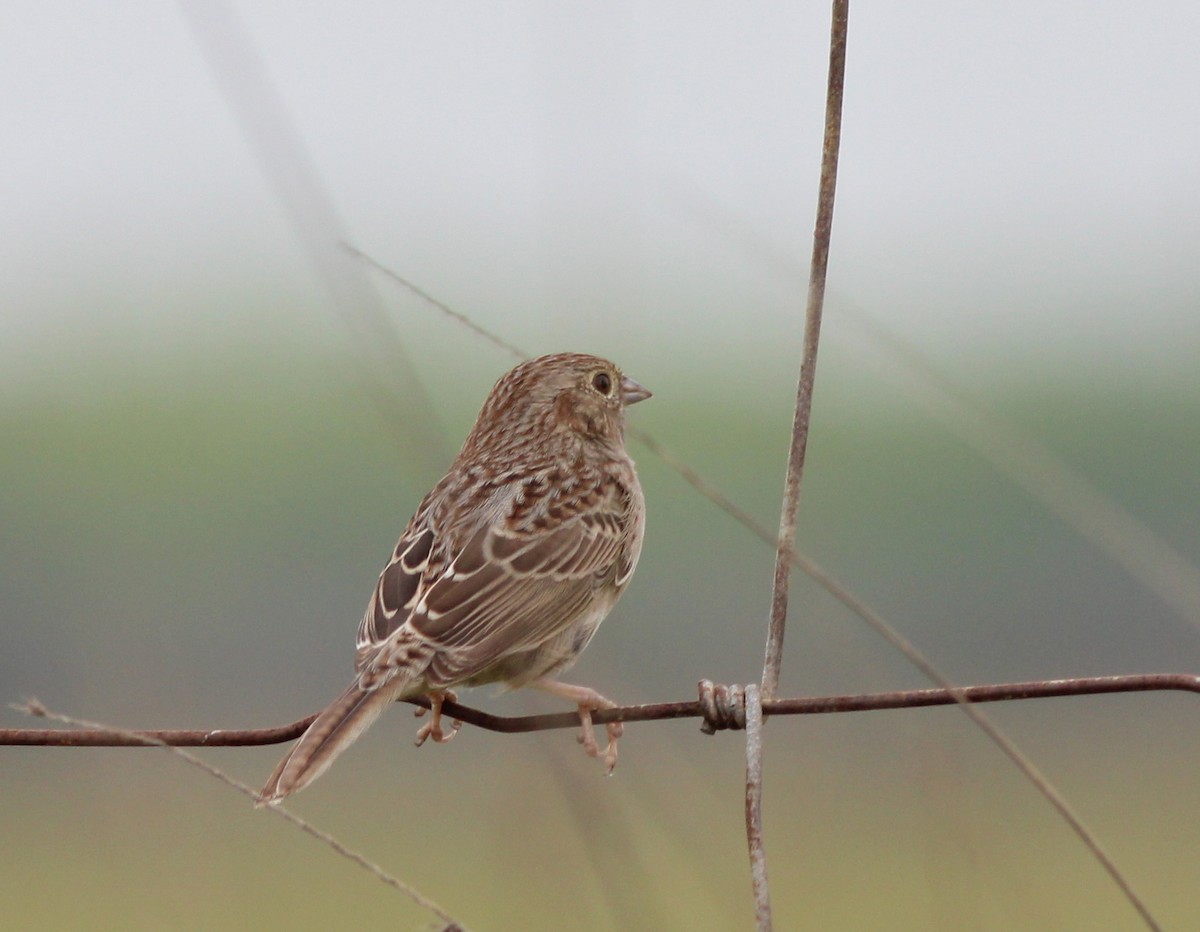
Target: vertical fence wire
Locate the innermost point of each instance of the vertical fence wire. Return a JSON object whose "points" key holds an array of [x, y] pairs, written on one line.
{"points": [[812, 335], [785, 552]]}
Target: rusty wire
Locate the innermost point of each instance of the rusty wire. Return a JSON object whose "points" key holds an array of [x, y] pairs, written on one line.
{"points": [[734, 701], [827, 187], [786, 546], [753, 721]]}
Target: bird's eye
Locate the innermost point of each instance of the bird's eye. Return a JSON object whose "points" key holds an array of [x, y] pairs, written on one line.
{"points": [[602, 382]]}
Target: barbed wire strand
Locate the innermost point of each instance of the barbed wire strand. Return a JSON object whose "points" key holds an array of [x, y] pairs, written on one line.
{"points": [[39, 710]]}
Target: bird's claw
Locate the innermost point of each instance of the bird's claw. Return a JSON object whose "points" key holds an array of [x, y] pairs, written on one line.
{"points": [[587, 736], [587, 701], [433, 728]]}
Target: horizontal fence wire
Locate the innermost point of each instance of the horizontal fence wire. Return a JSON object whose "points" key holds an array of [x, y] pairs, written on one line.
{"points": [[714, 719]]}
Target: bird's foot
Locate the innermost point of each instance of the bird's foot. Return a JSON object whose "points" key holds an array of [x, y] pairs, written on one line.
{"points": [[588, 700], [433, 728]]}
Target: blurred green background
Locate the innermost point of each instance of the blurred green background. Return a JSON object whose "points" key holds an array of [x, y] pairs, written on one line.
{"points": [[203, 467]]}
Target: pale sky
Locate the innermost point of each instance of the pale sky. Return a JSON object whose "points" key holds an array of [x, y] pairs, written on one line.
{"points": [[1012, 174]]}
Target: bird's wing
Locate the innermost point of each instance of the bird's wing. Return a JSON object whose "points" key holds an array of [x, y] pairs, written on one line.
{"points": [[509, 587], [420, 555]]}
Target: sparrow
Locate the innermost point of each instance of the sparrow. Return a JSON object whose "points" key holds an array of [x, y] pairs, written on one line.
{"points": [[508, 566]]}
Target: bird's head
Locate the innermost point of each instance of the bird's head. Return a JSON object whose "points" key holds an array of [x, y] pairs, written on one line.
{"points": [[564, 398]]}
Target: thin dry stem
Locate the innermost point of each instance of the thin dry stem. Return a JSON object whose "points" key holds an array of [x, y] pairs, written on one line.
{"points": [[272, 137], [147, 739], [962, 697], [500, 343], [1062, 490]]}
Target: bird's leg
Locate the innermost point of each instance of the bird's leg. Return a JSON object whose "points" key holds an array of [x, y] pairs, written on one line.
{"points": [[588, 700], [433, 728]]}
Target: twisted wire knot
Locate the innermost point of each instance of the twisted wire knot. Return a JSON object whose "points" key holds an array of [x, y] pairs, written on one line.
{"points": [[722, 707]]}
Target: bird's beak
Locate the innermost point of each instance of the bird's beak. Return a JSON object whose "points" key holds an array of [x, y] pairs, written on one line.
{"points": [[631, 392]]}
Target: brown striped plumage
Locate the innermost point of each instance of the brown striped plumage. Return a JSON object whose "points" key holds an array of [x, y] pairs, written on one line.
{"points": [[509, 564]]}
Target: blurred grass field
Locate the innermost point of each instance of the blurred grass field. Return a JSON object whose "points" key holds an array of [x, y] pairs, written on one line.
{"points": [[191, 546], [200, 477]]}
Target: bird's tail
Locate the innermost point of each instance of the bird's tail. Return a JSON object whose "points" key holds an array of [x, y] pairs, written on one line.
{"points": [[334, 730]]}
